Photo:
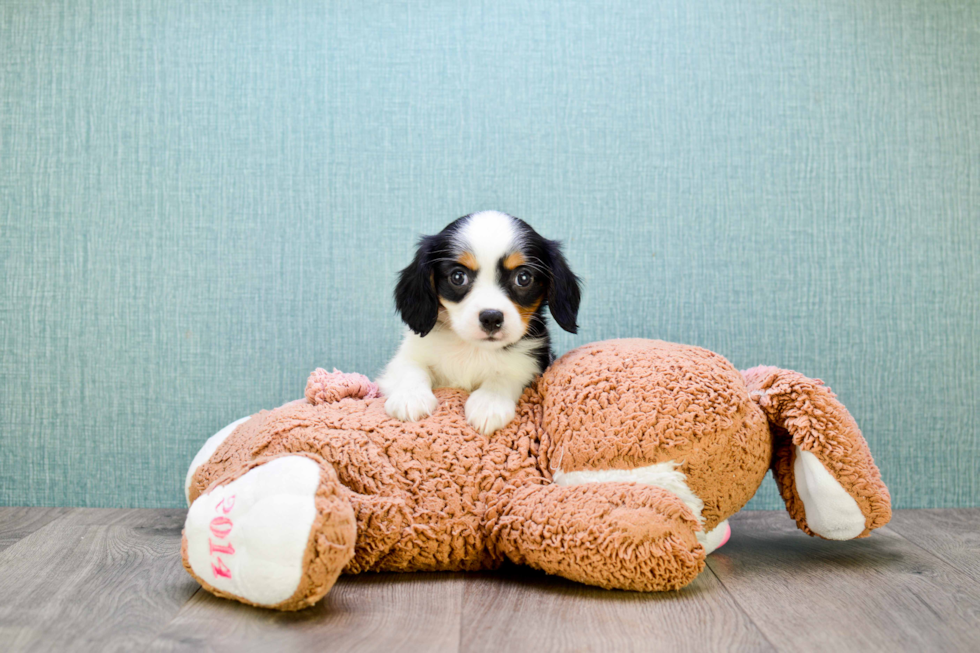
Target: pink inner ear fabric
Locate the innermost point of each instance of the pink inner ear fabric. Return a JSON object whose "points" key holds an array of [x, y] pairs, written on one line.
{"points": [[325, 387]]}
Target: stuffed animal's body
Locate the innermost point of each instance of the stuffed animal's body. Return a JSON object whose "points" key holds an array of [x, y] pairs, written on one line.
{"points": [[623, 463]]}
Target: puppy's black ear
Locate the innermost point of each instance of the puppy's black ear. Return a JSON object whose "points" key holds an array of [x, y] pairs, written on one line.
{"points": [[564, 291], [415, 293]]}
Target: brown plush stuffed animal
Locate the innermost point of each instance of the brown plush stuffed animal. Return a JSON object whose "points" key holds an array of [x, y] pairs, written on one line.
{"points": [[623, 463]]}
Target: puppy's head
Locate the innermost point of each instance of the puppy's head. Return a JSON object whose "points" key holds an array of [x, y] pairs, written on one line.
{"points": [[487, 276]]}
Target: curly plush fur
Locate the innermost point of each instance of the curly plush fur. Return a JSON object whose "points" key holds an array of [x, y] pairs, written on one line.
{"points": [[622, 456]]}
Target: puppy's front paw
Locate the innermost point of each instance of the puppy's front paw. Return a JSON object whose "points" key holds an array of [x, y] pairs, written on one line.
{"points": [[488, 411], [411, 405]]}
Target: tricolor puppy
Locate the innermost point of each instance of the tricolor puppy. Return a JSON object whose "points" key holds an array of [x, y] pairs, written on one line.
{"points": [[473, 299]]}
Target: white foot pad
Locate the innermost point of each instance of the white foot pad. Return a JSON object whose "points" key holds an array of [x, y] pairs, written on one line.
{"points": [[248, 537], [830, 511]]}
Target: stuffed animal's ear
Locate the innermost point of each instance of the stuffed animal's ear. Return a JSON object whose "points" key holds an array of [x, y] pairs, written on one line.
{"points": [[821, 462], [564, 292], [415, 293]]}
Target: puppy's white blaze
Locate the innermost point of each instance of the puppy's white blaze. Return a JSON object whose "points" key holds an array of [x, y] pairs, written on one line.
{"points": [[485, 295], [488, 235]]}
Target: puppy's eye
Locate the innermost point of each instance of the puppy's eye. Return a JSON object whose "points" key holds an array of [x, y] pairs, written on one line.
{"points": [[523, 278], [458, 278]]}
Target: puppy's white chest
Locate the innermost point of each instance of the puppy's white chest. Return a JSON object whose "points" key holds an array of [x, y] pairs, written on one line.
{"points": [[455, 363], [459, 365]]}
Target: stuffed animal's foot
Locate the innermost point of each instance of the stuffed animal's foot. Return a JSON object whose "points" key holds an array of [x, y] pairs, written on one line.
{"points": [[615, 535], [715, 538], [276, 535]]}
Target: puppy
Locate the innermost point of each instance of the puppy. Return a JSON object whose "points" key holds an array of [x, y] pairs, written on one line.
{"points": [[473, 299]]}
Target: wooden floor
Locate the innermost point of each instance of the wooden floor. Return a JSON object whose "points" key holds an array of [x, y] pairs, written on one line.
{"points": [[85, 579]]}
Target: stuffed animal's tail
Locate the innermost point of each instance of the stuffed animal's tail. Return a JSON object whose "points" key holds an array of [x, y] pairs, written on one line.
{"points": [[325, 387], [821, 462]]}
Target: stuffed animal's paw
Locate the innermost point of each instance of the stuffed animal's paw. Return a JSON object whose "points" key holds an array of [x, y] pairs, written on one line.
{"points": [[277, 536], [411, 405], [487, 411], [247, 538]]}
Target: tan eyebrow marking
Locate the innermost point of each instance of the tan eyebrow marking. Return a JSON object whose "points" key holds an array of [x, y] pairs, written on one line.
{"points": [[467, 259], [515, 260]]}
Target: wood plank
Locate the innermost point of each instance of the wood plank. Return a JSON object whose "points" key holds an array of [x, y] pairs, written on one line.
{"points": [[112, 580], [367, 612], [521, 609], [93, 580], [18, 523], [952, 535], [881, 593]]}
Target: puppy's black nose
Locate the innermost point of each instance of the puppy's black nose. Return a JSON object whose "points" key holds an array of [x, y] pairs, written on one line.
{"points": [[491, 320]]}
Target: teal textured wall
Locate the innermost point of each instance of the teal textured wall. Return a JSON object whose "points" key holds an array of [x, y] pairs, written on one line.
{"points": [[202, 201]]}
